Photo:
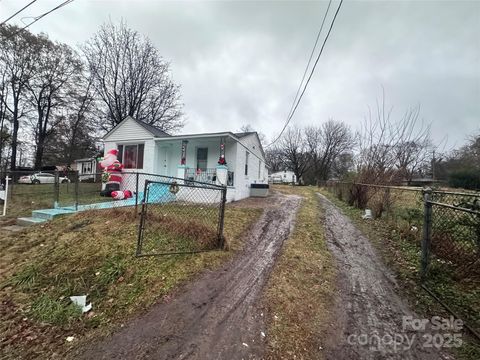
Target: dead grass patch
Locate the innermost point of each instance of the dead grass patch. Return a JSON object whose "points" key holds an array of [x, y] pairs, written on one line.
{"points": [[300, 292]]}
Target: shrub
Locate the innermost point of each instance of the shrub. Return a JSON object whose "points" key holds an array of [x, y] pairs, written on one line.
{"points": [[467, 179]]}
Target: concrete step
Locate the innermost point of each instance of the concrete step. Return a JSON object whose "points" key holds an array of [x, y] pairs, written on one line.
{"points": [[49, 214], [29, 221]]}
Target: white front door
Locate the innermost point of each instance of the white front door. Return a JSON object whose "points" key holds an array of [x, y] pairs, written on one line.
{"points": [[164, 154]]}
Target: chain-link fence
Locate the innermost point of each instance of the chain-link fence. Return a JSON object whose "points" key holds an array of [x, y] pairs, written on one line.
{"points": [[401, 207], [71, 191], [180, 217], [442, 228], [451, 252], [27, 191], [177, 215]]}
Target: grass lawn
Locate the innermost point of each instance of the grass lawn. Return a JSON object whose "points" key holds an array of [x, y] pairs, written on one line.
{"points": [[400, 249], [24, 198], [300, 291], [88, 253]]}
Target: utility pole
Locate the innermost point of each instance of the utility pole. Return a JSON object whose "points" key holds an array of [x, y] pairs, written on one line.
{"points": [[433, 165]]}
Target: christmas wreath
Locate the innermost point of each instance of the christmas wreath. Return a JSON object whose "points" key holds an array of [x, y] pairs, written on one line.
{"points": [[174, 188]]}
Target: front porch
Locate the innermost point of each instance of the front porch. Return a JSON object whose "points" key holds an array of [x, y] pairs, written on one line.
{"points": [[206, 159]]}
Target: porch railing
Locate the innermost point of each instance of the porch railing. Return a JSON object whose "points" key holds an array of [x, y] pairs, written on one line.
{"points": [[207, 176]]}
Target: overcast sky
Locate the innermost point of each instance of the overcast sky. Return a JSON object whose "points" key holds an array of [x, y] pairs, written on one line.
{"points": [[241, 62]]}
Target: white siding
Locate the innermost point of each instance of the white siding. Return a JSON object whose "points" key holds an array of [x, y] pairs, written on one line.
{"points": [[242, 181], [148, 154], [128, 130]]}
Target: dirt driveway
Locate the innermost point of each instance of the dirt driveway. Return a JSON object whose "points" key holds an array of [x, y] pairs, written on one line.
{"points": [[215, 317], [368, 308]]}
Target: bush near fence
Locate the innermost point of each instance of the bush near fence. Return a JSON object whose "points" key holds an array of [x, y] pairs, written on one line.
{"points": [[402, 207]]}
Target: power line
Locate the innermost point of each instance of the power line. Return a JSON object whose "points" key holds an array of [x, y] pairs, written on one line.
{"points": [[310, 58], [18, 12], [41, 16], [310, 76]]}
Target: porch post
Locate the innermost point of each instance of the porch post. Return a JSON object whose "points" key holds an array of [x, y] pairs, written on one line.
{"points": [[182, 168], [222, 160], [222, 168], [183, 158]]}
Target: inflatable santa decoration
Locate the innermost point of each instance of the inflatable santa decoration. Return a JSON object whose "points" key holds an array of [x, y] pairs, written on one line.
{"points": [[121, 195], [112, 176]]}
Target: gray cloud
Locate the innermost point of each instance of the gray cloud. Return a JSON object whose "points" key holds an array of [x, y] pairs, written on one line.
{"points": [[240, 62]]}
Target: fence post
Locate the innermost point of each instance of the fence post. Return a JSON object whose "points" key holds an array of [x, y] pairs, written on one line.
{"points": [[77, 185], [136, 195], [5, 200], [222, 217], [56, 190], [427, 231], [142, 219]]}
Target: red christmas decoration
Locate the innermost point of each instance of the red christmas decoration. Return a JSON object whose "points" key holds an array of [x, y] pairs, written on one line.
{"points": [[222, 160]]}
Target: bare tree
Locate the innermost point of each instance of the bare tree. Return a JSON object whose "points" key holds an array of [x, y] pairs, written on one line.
{"points": [[76, 134], [4, 133], [57, 69], [293, 150], [343, 165], [325, 144], [18, 58], [389, 150], [274, 159], [132, 78]]}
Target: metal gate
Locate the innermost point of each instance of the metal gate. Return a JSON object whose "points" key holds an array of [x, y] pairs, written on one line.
{"points": [[181, 217]]}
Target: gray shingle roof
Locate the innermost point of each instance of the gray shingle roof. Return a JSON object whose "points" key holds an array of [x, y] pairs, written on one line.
{"points": [[243, 134]]}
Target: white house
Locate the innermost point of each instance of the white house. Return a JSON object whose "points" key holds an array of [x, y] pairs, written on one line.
{"points": [[147, 149], [282, 177], [87, 168]]}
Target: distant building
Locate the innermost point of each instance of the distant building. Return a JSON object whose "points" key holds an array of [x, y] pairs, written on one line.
{"points": [[87, 169], [282, 177]]}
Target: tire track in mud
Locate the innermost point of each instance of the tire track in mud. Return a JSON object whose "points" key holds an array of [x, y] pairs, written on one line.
{"points": [[215, 316], [367, 303]]}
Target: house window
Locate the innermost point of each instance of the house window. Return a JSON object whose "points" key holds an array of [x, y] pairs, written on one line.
{"points": [[202, 156], [131, 156], [247, 155], [120, 153], [259, 169], [86, 168]]}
